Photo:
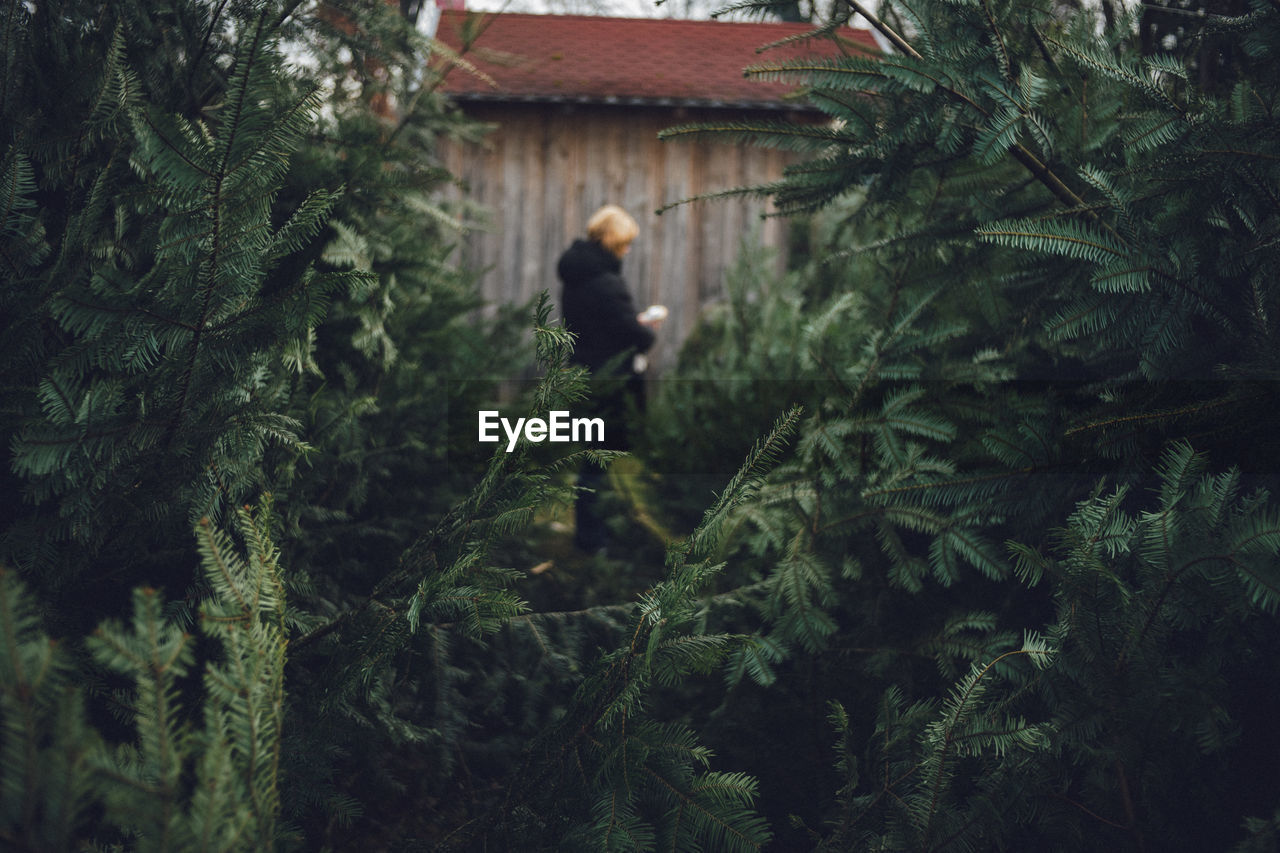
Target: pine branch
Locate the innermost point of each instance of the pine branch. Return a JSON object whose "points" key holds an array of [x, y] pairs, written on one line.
{"points": [[1028, 160], [1200, 408], [286, 12], [214, 17], [1006, 65], [244, 65], [884, 29], [959, 708], [1046, 176]]}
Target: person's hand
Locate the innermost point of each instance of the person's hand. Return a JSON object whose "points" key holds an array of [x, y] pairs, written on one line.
{"points": [[652, 316]]}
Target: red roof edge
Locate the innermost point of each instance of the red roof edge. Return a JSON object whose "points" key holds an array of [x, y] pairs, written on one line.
{"points": [[632, 61]]}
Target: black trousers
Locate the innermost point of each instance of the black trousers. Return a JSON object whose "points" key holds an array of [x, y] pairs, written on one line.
{"points": [[616, 400], [589, 534]]}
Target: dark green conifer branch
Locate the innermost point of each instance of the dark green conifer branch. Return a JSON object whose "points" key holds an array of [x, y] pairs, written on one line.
{"points": [[188, 328], [983, 346], [1010, 350], [642, 778], [182, 780]]}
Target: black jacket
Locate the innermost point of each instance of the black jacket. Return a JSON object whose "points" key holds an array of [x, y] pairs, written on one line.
{"points": [[597, 307]]}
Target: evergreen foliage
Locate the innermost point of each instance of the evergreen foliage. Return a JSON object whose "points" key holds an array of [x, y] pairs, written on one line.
{"points": [[1012, 547], [259, 294], [223, 279], [1016, 754], [1041, 278], [145, 325], [609, 776], [183, 781]]}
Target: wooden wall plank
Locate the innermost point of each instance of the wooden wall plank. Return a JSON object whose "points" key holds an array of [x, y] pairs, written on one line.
{"points": [[547, 167]]}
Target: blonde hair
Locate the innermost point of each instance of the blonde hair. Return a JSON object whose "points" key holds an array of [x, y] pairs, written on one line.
{"points": [[613, 228]]}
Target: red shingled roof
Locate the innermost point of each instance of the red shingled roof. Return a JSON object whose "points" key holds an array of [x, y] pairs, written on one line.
{"points": [[579, 58]]}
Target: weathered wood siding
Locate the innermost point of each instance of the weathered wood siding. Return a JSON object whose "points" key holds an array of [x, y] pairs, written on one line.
{"points": [[547, 167]]}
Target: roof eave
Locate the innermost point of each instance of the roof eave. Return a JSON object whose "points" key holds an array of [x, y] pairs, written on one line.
{"points": [[633, 101]]}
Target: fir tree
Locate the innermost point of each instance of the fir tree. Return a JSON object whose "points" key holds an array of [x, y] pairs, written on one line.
{"points": [[177, 784], [1044, 279], [152, 293], [199, 311], [1012, 549]]}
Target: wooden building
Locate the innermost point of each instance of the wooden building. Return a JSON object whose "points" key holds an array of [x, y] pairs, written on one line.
{"points": [[577, 103]]}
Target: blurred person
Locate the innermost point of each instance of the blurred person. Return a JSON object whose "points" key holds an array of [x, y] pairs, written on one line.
{"points": [[611, 338]]}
